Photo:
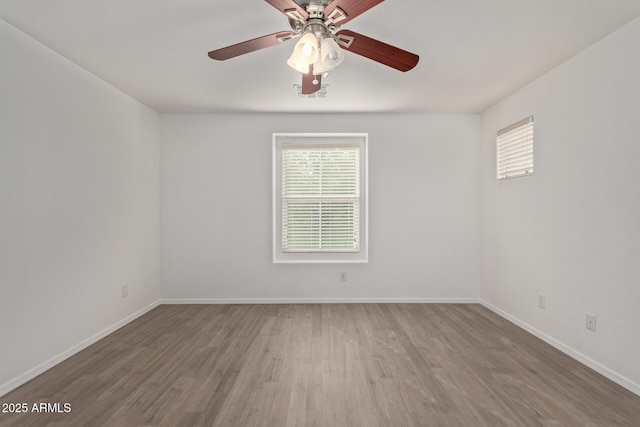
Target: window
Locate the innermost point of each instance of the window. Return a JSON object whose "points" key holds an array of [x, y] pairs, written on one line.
{"points": [[319, 197], [515, 150]]}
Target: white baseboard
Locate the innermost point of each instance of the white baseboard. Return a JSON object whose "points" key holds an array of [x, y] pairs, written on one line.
{"points": [[322, 301], [32, 373], [596, 366]]}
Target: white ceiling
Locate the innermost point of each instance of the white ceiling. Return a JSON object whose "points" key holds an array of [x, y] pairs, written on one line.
{"points": [[472, 52]]}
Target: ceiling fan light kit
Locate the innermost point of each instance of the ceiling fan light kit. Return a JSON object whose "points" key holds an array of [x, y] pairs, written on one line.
{"points": [[321, 44]]}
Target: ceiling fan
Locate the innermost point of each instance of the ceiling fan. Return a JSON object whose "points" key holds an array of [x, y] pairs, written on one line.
{"points": [[321, 44]]}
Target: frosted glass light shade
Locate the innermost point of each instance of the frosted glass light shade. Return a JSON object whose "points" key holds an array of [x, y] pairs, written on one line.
{"points": [[297, 65], [330, 56], [306, 50]]}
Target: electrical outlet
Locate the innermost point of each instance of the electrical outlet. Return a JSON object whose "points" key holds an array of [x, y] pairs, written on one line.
{"points": [[591, 322], [125, 291], [343, 276], [542, 301]]}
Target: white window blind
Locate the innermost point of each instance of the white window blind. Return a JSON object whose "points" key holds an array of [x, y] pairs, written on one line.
{"points": [[320, 199], [515, 150]]}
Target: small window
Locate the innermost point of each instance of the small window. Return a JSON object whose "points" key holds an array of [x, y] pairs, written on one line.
{"points": [[320, 198], [515, 150]]}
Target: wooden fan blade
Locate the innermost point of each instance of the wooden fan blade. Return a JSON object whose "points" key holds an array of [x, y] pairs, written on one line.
{"points": [[352, 8], [288, 5], [308, 85], [376, 50], [251, 45]]}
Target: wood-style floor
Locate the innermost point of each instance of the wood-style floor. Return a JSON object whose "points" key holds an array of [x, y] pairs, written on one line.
{"points": [[332, 365]]}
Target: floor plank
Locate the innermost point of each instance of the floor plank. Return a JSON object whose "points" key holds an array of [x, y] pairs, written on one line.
{"points": [[323, 365]]}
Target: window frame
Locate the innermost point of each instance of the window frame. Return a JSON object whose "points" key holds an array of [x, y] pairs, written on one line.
{"points": [[281, 141], [523, 148]]}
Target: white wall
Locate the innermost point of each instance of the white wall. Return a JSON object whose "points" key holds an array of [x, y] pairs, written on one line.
{"points": [[572, 230], [217, 222], [79, 207]]}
